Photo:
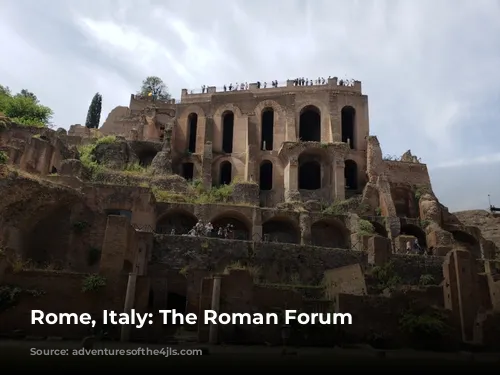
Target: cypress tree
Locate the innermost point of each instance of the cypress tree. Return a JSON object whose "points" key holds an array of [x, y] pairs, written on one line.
{"points": [[94, 113]]}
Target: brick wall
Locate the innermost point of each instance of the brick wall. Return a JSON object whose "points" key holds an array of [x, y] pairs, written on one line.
{"points": [[277, 262]]}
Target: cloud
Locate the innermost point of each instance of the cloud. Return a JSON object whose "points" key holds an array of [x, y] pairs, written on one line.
{"points": [[430, 68]]}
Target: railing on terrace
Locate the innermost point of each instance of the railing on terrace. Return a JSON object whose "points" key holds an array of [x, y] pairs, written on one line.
{"points": [[246, 86]]}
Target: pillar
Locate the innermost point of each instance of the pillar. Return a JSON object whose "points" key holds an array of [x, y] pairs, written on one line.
{"points": [[129, 304], [339, 178], [256, 226], [305, 229], [214, 328], [292, 180]]}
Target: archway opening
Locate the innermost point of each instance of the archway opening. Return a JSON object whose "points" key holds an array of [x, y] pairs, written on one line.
{"points": [[310, 124], [267, 129], [225, 173], [351, 175], [47, 242], [415, 231], [146, 157], [227, 132], [266, 175], [348, 115], [379, 229], [53, 170], [467, 242], [280, 230], [238, 229], [329, 234], [176, 222], [309, 172], [192, 130], [188, 171], [404, 202], [176, 302]]}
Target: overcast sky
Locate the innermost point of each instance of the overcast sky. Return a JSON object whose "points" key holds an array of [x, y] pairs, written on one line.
{"points": [[431, 69]]}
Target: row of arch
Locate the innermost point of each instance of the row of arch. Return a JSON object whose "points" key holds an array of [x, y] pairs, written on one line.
{"points": [[309, 127], [324, 233], [309, 177]]}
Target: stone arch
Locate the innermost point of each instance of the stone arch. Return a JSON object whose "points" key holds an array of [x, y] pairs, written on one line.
{"points": [[47, 239], [310, 127], [415, 231], [193, 108], [177, 219], [225, 172], [348, 125], [228, 124], [467, 242], [404, 202], [266, 175], [277, 108], [379, 229], [351, 175], [310, 176], [242, 226], [192, 131], [329, 233], [281, 229], [228, 107]]}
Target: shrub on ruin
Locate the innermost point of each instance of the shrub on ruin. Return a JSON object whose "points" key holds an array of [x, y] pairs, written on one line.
{"points": [[10, 295], [93, 283], [424, 324], [386, 277], [426, 279], [3, 157], [365, 228]]}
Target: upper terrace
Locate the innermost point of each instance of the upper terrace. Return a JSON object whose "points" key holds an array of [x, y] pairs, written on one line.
{"points": [[196, 96], [191, 96]]}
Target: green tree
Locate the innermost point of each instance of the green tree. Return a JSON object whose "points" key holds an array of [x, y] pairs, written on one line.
{"points": [[94, 113], [27, 94], [156, 87], [24, 108]]}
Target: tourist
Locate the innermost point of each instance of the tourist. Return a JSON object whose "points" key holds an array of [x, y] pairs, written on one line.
{"points": [[225, 88]]}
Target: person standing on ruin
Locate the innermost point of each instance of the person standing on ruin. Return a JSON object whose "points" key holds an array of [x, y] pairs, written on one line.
{"points": [[225, 88]]}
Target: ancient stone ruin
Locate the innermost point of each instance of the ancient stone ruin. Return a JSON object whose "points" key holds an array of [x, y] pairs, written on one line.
{"points": [[255, 200]]}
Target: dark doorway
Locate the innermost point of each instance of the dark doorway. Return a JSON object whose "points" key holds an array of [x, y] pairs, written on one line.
{"points": [[53, 170], [192, 129], [310, 175], [227, 132], [267, 129], [225, 173], [348, 115], [310, 124], [351, 175], [266, 176], [188, 171], [146, 158], [176, 302]]}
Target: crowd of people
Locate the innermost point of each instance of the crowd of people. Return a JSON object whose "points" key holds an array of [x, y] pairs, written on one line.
{"points": [[296, 82], [207, 230]]}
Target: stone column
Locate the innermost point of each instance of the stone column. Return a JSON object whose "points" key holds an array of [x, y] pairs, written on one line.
{"points": [[129, 304], [214, 328], [305, 229], [206, 167], [339, 179], [292, 180], [256, 226]]}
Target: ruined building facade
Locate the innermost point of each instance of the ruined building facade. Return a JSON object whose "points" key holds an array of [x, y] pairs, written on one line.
{"points": [[311, 199]]}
